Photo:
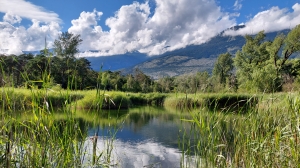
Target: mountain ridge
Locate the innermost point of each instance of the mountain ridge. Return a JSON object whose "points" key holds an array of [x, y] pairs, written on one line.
{"points": [[194, 58]]}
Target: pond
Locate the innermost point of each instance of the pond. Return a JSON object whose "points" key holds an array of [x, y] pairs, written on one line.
{"points": [[138, 137], [142, 137]]}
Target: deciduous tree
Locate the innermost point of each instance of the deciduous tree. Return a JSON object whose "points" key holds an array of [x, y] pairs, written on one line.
{"points": [[223, 67]]}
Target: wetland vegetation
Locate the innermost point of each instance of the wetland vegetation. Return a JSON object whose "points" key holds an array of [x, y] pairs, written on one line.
{"points": [[245, 114], [265, 133]]}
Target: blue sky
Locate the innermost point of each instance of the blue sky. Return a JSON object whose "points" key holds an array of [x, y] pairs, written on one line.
{"points": [[120, 26]]}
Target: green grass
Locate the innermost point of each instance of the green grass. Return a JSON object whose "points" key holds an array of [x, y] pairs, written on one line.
{"points": [[48, 136], [227, 130], [212, 101], [107, 100], [26, 99], [266, 136]]}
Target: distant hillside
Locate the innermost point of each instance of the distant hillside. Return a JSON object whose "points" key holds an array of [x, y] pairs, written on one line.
{"points": [[193, 58], [117, 62], [112, 63]]}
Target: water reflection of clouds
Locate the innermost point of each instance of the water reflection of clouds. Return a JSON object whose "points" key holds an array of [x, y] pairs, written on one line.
{"points": [[131, 155]]}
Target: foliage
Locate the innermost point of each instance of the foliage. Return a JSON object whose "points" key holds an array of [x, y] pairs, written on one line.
{"points": [[192, 83], [66, 45], [223, 67], [261, 65]]}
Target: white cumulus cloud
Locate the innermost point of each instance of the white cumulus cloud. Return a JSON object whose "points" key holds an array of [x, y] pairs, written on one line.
{"points": [[86, 25], [16, 39], [170, 25], [173, 24], [273, 19], [11, 18]]}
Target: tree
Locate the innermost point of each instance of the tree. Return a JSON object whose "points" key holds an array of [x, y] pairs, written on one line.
{"points": [[222, 68], [251, 64], [130, 84], [262, 64], [203, 78], [283, 47], [142, 81], [165, 84], [105, 80], [38, 70], [66, 45], [65, 48], [82, 73]]}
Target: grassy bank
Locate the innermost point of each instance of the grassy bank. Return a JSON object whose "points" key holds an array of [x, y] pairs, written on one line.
{"points": [[17, 99], [117, 100], [24, 99], [265, 136], [212, 102]]}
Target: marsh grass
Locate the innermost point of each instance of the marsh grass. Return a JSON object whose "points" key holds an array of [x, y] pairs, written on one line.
{"points": [[264, 136], [214, 102], [106, 100], [118, 100], [182, 102], [139, 99], [40, 139]]}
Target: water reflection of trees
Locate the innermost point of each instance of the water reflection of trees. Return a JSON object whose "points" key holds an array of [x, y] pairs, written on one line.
{"points": [[138, 120]]}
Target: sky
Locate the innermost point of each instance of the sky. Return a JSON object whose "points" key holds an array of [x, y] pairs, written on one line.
{"points": [[147, 26]]}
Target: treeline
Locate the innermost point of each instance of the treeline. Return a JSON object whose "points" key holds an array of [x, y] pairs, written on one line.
{"points": [[41, 70], [260, 66], [44, 71]]}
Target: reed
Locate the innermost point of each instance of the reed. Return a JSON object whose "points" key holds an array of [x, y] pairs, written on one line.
{"points": [[266, 136], [40, 139], [213, 102]]}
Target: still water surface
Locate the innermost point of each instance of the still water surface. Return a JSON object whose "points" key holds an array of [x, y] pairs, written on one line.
{"points": [[143, 137]]}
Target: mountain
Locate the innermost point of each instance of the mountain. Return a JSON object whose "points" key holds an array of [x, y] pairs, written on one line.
{"points": [[112, 63], [32, 52], [194, 58], [117, 62], [191, 59]]}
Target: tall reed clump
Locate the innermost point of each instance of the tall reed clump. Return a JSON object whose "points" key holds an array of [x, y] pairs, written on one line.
{"points": [[103, 100], [140, 99], [39, 140], [184, 102], [118, 100], [218, 102], [266, 136]]}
